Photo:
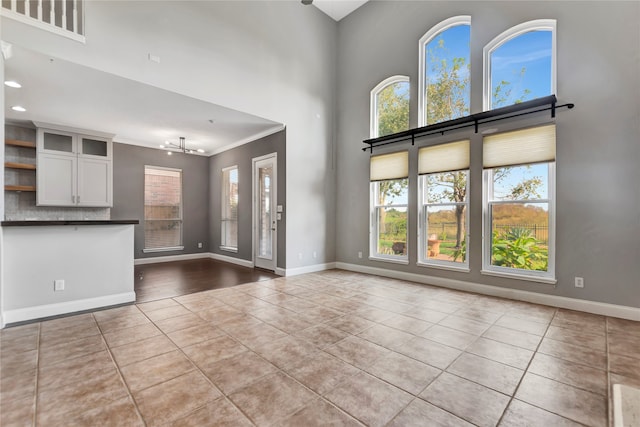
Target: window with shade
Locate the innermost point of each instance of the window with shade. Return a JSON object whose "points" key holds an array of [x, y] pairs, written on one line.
{"points": [[519, 203], [229, 222], [444, 204], [389, 177], [162, 209]]}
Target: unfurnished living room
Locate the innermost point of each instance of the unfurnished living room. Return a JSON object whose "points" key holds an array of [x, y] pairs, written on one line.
{"points": [[320, 213]]}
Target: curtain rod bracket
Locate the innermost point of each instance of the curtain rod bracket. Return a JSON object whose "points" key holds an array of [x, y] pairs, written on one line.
{"points": [[475, 120]]}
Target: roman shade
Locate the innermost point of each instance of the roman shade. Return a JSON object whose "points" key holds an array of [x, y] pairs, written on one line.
{"points": [[525, 146], [390, 166], [452, 156]]}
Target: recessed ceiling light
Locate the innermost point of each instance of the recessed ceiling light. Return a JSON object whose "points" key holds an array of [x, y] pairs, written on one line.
{"points": [[12, 83], [18, 108], [489, 131], [168, 153], [162, 146], [200, 150]]}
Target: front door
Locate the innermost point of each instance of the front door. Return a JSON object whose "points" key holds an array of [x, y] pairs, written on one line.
{"points": [[264, 212]]}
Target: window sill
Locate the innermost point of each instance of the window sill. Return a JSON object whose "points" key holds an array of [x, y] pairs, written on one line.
{"points": [[172, 248], [539, 279], [462, 269], [229, 249], [403, 261]]}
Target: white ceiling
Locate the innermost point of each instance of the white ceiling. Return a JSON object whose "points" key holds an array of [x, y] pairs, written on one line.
{"points": [[338, 9], [59, 92]]}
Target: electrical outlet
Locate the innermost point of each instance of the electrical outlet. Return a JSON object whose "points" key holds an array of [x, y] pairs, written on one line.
{"points": [[58, 285], [300, 255], [359, 254], [315, 255], [579, 282], [200, 245]]}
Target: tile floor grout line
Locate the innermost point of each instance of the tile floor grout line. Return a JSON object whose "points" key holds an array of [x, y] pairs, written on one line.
{"points": [[117, 366], [195, 366], [37, 384], [279, 370], [526, 371]]}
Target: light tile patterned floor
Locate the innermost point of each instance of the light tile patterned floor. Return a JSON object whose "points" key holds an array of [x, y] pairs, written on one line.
{"points": [[332, 348]]}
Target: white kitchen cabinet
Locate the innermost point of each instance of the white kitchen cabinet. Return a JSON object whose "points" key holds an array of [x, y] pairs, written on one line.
{"points": [[74, 169]]}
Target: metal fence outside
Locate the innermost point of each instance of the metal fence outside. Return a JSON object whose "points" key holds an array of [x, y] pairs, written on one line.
{"points": [[448, 229]]}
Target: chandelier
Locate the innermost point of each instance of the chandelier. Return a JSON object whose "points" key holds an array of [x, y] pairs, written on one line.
{"points": [[180, 147]]}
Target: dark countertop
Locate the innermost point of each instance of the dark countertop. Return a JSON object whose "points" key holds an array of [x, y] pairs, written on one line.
{"points": [[74, 222]]}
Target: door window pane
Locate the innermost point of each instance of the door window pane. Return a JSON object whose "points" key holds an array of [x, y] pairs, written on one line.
{"points": [[264, 231]]}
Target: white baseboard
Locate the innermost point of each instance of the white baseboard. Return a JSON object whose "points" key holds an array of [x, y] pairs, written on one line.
{"points": [[41, 311], [168, 258], [613, 310], [308, 269], [231, 260]]}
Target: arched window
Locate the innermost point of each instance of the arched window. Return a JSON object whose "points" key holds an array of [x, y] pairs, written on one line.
{"points": [[444, 58], [520, 64], [390, 106]]}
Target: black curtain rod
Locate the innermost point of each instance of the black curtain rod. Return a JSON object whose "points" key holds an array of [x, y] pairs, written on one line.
{"points": [[475, 120]]}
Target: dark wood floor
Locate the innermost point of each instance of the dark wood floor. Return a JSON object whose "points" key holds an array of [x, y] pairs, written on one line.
{"points": [[172, 279]]}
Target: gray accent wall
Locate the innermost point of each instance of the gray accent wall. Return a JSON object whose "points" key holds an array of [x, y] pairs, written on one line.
{"points": [[128, 194], [598, 149], [242, 157], [272, 59]]}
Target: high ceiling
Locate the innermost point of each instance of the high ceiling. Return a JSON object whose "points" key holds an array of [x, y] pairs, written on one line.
{"points": [[66, 94], [338, 9]]}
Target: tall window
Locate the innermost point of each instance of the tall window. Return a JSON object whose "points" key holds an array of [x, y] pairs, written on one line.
{"points": [[162, 209], [444, 200], [229, 230], [390, 106], [519, 64], [444, 88], [389, 182], [519, 202]]}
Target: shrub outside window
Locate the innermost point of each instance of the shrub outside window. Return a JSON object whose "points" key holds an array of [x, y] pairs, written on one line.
{"points": [[519, 199]]}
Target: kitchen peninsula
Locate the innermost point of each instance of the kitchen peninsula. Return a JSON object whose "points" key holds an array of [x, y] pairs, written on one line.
{"points": [[59, 267]]}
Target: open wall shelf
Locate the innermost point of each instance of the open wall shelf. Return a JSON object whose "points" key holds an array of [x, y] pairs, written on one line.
{"points": [[18, 143]]}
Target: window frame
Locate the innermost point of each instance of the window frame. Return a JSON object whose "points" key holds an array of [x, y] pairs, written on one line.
{"points": [[510, 34], [373, 103], [423, 226], [374, 206], [442, 26], [374, 231], [547, 277], [181, 219], [224, 200]]}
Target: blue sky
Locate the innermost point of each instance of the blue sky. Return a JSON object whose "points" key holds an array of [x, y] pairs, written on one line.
{"points": [[531, 50]]}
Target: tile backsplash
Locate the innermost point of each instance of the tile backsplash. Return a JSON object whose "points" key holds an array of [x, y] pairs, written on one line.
{"points": [[21, 206]]}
